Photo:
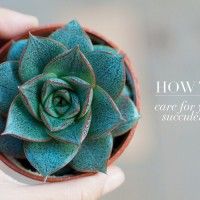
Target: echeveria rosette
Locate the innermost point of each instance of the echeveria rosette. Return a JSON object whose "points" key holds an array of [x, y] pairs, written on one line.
{"points": [[66, 100]]}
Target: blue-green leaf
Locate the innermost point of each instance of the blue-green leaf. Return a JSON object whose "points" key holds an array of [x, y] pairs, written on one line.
{"points": [[105, 114], [76, 132], [62, 101], [105, 48], [83, 90], [22, 125], [54, 123], [9, 83], [126, 91], [49, 157], [52, 85], [11, 146], [2, 124], [31, 93], [72, 63], [16, 50], [129, 113], [74, 107], [109, 70], [48, 106], [39, 52], [93, 155], [72, 35]]}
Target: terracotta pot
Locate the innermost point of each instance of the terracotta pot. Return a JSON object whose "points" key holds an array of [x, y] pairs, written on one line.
{"points": [[124, 140]]}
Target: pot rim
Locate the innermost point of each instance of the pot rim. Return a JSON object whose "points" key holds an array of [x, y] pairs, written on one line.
{"points": [[46, 30]]}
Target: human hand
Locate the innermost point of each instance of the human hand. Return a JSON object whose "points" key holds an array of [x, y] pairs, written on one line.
{"points": [[88, 188]]}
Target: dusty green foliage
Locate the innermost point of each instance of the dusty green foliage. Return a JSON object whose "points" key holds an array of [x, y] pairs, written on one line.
{"points": [[65, 101]]}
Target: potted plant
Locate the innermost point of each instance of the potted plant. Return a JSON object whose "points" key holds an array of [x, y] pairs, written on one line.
{"points": [[69, 103]]}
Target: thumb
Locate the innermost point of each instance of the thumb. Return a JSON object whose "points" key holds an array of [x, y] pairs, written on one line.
{"points": [[13, 23]]}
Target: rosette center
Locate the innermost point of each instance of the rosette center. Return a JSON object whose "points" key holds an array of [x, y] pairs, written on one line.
{"points": [[59, 99]]}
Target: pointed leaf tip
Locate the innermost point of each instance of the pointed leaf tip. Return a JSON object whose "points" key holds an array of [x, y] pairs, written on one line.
{"points": [[93, 155], [39, 52], [72, 35], [109, 70], [105, 114], [130, 114], [83, 90], [49, 157], [22, 125], [72, 63], [30, 93], [54, 124], [76, 132]]}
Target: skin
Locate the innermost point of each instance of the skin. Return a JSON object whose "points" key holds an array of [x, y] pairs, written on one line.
{"points": [[90, 188]]}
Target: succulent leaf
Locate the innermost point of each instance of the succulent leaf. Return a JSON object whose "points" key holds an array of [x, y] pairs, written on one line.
{"points": [[83, 90], [22, 125], [74, 107], [30, 93], [129, 113], [126, 91], [72, 63], [105, 114], [52, 85], [58, 103], [11, 146], [39, 52], [54, 123], [109, 70], [72, 35], [93, 155], [130, 83], [16, 50], [48, 106], [2, 124], [49, 157], [9, 82], [76, 132], [105, 48]]}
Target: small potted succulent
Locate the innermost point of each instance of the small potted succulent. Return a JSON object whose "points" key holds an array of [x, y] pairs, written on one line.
{"points": [[69, 103]]}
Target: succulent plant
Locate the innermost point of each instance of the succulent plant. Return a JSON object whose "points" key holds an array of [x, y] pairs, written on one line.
{"points": [[62, 101]]}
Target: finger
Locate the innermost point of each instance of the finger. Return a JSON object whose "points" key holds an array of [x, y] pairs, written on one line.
{"points": [[13, 23], [88, 188]]}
